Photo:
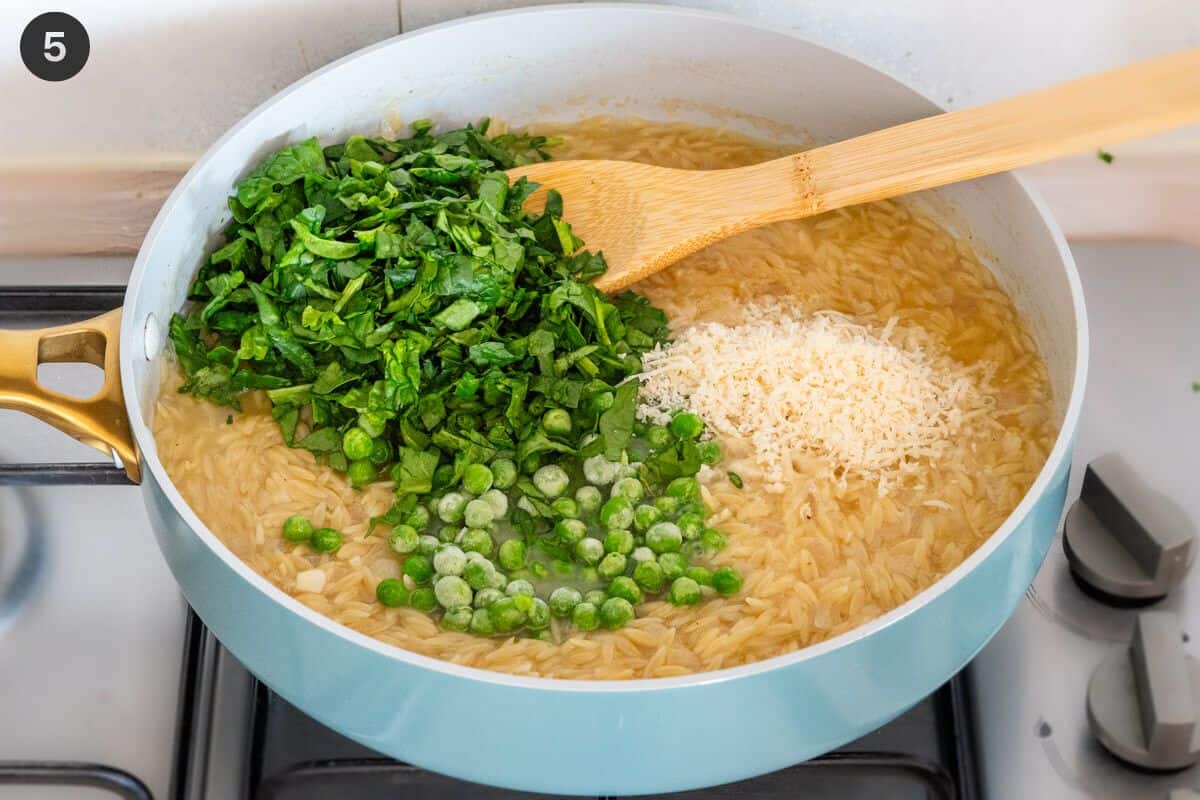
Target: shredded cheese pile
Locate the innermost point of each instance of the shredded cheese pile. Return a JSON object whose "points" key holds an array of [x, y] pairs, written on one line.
{"points": [[822, 384]]}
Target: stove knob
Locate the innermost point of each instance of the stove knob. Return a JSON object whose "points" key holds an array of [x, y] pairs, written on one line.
{"points": [[1125, 545], [1143, 703]]}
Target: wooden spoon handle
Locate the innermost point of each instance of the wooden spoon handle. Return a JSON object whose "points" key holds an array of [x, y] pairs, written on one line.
{"points": [[1137, 100]]}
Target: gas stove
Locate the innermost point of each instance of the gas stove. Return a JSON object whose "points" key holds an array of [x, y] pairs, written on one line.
{"points": [[108, 681]]}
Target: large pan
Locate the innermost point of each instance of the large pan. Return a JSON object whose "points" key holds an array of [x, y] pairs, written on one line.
{"points": [[603, 737]]}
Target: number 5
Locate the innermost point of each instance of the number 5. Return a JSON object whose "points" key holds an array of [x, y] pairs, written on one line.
{"points": [[59, 49]]}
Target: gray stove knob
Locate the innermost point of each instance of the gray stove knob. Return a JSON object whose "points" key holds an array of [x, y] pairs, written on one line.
{"points": [[1125, 544], [1143, 704]]}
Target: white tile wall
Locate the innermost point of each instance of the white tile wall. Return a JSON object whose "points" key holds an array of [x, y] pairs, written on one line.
{"points": [[166, 77]]}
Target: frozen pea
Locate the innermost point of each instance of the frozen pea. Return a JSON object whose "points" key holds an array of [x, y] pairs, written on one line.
{"points": [[588, 499], [649, 575], [498, 500], [700, 575], [595, 596], [569, 531], [563, 600], [585, 616], [625, 587], [449, 560], [712, 539], [616, 612], [565, 507], [427, 545], [403, 539], [504, 473], [451, 506], [477, 574], [457, 619], [477, 540], [538, 616], [684, 592], [618, 541], [551, 480], [658, 437], [691, 525], [629, 488], [664, 537], [485, 597], [641, 554], [506, 615], [512, 554], [667, 505], [519, 586], [673, 565], [556, 422], [686, 425], [599, 471], [497, 579], [686, 490], [481, 622], [477, 479], [589, 550], [419, 518], [423, 599], [611, 566], [479, 513], [726, 581], [617, 512], [644, 516]]}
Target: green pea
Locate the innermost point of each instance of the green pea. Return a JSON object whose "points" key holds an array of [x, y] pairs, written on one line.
{"points": [[360, 473], [726, 581], [563, 600], [419, 518], [539, 569], [629, 488], [391, 592], [479, 513], [588, 498], [423, 599], [595, 596], [485, 597], [589, 575], [673, 565], [427, 545], [449, 560], [700, 575], [504, 473], [599, 471], [686, 425], [419, 568], [481, 622], [452, 591], [641, 554], [617, 512], [326, 540], [569, 531], [710, 452], [403, 539], [664, 537], [565, 507], [297, 528], [457, 619], [691, 525], [684, 489], [519, 586], [668, 506], [449, 534], [538, 616], [616, 612], [649, 575], [684, 592], [626, 587], [585, 616], [658, 437], [477, 574], [498, 500], [497, 579], [712, 539], [618, 541], [506, 616], [357, 444], [477, 540], [381, 453], [556, 422], [589, 550], [551, 480], [477, 478], [451, 507], [611, 566], [644, 516]]}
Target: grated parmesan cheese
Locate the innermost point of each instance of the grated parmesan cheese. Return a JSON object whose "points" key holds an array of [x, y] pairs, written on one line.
{"points": [[820, 384]]}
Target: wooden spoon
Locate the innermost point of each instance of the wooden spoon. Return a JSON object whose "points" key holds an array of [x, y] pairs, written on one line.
{"points": [[644, 218]]}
